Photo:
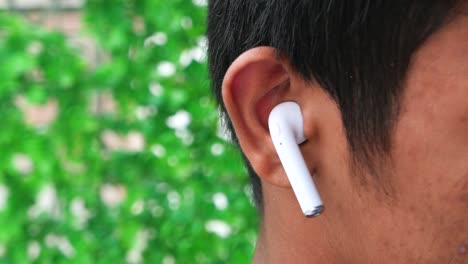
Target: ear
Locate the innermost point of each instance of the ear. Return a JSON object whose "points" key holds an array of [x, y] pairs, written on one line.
{"points": [[254, 84]]}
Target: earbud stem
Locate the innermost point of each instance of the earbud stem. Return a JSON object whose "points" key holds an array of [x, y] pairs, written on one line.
{"points": [[300, 178]]}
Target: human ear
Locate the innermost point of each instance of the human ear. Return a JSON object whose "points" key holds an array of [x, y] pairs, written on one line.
{"points": [[255, 83]]}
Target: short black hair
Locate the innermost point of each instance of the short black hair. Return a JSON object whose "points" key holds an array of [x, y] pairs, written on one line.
{"points": [[358, 51]]}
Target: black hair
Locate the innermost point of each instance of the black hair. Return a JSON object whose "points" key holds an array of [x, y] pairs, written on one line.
{"points": [[358, 51]]}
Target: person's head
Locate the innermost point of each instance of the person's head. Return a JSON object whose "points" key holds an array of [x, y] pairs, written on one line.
{"points": [[383, 88]]}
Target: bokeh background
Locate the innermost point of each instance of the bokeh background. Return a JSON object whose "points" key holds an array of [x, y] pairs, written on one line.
{"points": [[111, 150]]}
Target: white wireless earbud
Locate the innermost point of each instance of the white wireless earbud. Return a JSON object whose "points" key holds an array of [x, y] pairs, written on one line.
{"points": [[287, 132]]}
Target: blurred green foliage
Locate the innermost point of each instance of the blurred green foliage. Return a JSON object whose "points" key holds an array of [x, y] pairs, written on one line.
{"points": [[118, 160]]}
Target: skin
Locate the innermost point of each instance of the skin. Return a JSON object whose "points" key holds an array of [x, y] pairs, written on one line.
{"points": [[424, 219]]}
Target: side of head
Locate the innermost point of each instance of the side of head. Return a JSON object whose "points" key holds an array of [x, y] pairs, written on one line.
{"points": [[382, 87]]}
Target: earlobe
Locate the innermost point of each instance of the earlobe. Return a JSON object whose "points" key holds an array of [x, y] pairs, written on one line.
{"points": [[256, 82]]}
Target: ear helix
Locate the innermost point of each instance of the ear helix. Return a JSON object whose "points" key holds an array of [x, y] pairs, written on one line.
{"points": [[287, 132]]}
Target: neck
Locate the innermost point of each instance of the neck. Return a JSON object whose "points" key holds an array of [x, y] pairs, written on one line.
{"points": [[286, 236]]}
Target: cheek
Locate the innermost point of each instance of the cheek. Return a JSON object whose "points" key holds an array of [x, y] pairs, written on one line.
{"points": [[430, 158], [430, 146], [431, 205], [462, 188], [429, 213]]}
